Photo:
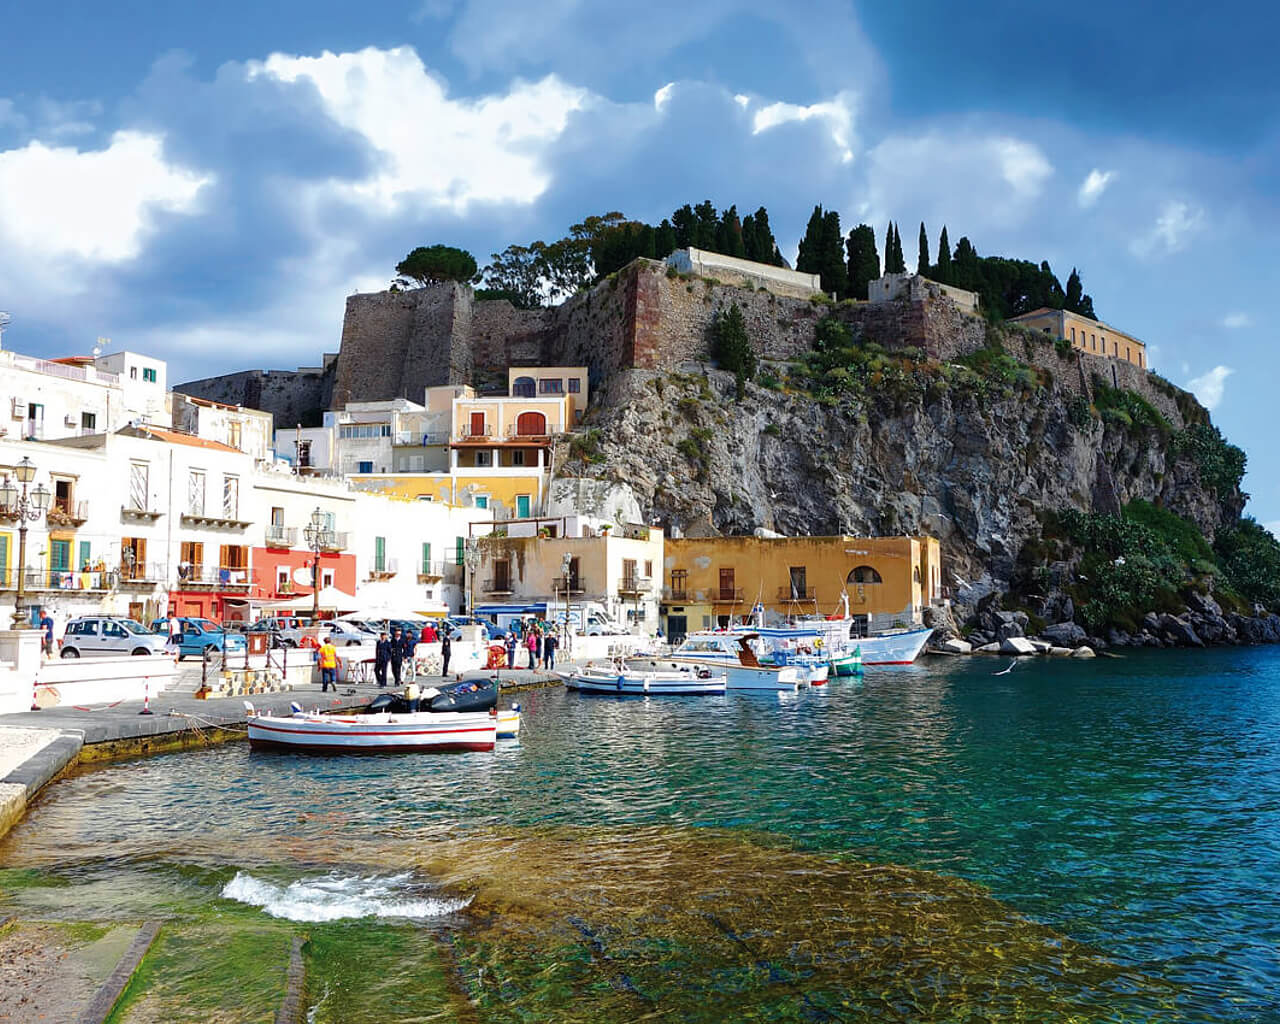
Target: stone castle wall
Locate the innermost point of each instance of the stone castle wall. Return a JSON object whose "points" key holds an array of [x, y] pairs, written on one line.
{"points": [[293, 397]]}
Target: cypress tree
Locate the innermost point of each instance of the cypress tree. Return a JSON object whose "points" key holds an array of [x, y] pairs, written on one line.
{"points": [[749, 238], [834, 275], [766, 245], [809, 257], [664, 241], [888, 248], [922, 261], [683, 222], [864, 261], [944, 270], [894, 261], [729, 234], [706, 225], [1075, 291]]}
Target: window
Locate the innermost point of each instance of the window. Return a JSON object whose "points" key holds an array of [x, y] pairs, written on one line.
{"points": [[149, 376], [531, 423], [502, 576], [326, 578], [282, 578], [628, 574], [864, 574], [1073, 335], [482, 501], [426, 557], [364, 431], [191, 564], [62, 497], [517, 458], [379, 554], [461, 551], [523, 387], [679, 584], [477, 425], [364, 467], [231, 497], [575, 582], [727, 587], [195, 492], [133, 373], [522, 506], [84, 561], [551, 386], [304, 454], [133, 558], [575, 385], [1093, 340], [648, 568], [484, 458], [233, 433], [138, 491], [59, 555], [88, 422], [798, 581], [277, 515]]}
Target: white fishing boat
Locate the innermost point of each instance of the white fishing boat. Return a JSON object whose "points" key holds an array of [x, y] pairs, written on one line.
{"points": [[621, 679], [732, 653], [381, 733], [509, 722], [833, 638]]}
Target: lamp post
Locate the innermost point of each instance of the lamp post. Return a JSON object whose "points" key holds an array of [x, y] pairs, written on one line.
{"points": [[472, 559], [24, 508], [315, 535], [566, 563]]}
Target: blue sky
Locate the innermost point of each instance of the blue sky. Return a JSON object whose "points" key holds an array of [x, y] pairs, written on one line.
{"points": [[208, 183]]}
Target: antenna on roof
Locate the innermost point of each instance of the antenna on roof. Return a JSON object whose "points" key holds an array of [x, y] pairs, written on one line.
{"points": [[102, 343]]}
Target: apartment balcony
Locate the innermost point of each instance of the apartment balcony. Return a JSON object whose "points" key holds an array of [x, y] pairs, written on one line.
{"points": [[68, 513], [727, 595], [141, 574], [514, 433], [215, 519], [211, 577], [634, 586], [408, 439], [384, 569], [333, 540], [147, 515], [797, 594], [439, 572], [40, 580], [677, 595], [281, 536], [498, 585]]}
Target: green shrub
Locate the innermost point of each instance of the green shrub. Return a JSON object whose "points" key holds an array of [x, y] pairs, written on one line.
{"points": [[1221, 465], [772, 430], [586, 446], [1250, 559], [1063, 347], [1137, 410], [1079, 412]]}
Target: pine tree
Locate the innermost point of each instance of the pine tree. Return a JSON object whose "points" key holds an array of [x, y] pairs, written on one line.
{"points": [[766, 245], [922, 261], [683, 222], [729, 234], [664, 241], [944, 270], [706, 225], [864, 261]]}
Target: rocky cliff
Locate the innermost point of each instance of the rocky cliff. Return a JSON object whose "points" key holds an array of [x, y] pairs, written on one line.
{"points": [[894, 442]]}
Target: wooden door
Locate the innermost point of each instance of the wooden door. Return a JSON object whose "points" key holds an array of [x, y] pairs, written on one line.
{"points": [[477, 424]]}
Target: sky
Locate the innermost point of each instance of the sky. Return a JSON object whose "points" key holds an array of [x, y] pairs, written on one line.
{"points": [[206, 183]]}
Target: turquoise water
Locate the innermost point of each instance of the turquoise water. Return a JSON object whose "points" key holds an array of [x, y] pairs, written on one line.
{"points": [[1130, 807]]}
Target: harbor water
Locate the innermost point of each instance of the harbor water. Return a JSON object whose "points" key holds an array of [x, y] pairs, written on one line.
{"points": [[1069, 841]]}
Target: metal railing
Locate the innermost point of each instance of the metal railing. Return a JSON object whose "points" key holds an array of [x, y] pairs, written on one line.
{"points": [[68, 513], [58, 579], [445, 572], [498, 585], [141, 572], [333, 540], [726, 595], [679, 595], [384, 567], [797, 594], [411, 439], [216, 576], [63, 370], [635, 585], [281, 536]]}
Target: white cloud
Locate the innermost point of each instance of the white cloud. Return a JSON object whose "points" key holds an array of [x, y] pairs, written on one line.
{"points": [[663, 96], [435, 151], [837, 113], [1093, 186], [1177, 222], [1208, 387], [433, 10], [1234, 320], [95, 205]]}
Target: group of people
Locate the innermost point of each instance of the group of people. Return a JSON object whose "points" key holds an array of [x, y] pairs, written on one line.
{"points": [[538, 639]]}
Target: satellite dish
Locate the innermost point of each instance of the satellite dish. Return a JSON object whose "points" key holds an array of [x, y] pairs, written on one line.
{"points": [[302, 576]]}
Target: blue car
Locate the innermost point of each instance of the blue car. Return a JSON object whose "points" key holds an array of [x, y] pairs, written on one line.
{"points": [[201, 635]]}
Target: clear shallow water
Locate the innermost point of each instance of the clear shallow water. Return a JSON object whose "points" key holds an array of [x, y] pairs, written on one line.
{"points": [[1128, 810]]}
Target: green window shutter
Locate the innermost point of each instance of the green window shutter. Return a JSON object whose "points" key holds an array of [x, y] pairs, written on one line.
{"points": [[84, 555], [461, 552], [426, 557], [379, 554], [60, 554]]}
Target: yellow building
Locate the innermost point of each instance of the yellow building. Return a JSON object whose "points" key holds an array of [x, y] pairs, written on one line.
{"points": [[1085, 335], [714, 581], [550, 381], [510, 491]]}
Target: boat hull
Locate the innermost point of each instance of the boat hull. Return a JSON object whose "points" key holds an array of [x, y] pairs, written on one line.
{"points": [[742, 677], [674, 683], [893, 648], [374, 734]]}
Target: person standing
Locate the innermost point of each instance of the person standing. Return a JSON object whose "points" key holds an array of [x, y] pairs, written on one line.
{"points": [[409, 648], [174, 629], [328, 666], [531, 643], [549, 644], [446, 646], [397, 653], [429, 633], [46, 623], [381, 655], [511, 649]]}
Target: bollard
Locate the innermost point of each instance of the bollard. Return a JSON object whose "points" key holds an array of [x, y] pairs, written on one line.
{"points": [[35, 687], [146, 696]]}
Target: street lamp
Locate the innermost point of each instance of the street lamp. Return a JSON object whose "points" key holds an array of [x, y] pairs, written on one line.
{"points": [[566, 564], [315, 537], [472, 559], [23, 507]]}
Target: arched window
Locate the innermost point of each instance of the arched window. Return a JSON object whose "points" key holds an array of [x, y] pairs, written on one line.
{"points": [[524, 387], [530, 423], [863, 574]]}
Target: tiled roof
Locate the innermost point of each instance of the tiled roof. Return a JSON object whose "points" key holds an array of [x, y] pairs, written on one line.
{"points": [[175, 437]]}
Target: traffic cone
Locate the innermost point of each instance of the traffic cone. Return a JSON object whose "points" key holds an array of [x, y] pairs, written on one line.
{"points": [[146, 696]]}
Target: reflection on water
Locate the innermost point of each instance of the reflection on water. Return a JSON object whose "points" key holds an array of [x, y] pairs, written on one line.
{"points": [[1098, 839]]}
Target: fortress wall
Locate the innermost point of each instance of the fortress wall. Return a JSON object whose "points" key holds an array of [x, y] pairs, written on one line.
{"points": [[375, 340], [292, 397]]}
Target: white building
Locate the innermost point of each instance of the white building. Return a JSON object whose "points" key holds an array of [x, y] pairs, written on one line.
{"points": [[913, 287], [248, 430], [732, 270]]}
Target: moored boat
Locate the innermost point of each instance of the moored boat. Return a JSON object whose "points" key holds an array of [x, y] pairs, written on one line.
{"points": [[732, 654], [378, 733], [626, 680], [848, 663]]}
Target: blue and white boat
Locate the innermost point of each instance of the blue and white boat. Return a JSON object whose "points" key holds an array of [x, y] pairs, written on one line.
{"points": [[732, 654], [622, 680]]}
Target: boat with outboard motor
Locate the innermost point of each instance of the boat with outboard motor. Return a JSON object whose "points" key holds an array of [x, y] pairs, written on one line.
{"points": [[622, 679], [455, 717]]}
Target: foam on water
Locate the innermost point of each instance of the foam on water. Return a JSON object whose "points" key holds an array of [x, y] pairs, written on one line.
{"points": [[336, 896]]}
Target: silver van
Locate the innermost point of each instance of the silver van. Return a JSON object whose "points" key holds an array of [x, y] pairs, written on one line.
{"points": [[105, 634]]}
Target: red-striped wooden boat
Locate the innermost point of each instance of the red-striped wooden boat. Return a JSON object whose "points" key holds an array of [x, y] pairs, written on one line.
{"points": [[419, 732]]}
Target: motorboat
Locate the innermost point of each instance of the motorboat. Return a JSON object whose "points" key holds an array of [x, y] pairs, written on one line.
{"points": [[622, 679], [463, 695], [848, 663], [733, 654], [378, 733], [813, 668], [835, 637]]}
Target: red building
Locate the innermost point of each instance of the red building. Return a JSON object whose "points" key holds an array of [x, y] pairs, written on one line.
{"points": [[283, 572]]}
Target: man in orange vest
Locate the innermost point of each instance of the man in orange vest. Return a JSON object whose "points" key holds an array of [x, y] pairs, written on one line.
{"points": [[328, 666]]}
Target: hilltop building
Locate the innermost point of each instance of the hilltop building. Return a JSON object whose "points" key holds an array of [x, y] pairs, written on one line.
{"points": [[732, 270], [1090, 336], [915, 288]]}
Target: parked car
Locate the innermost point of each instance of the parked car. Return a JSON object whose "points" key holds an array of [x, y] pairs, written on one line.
{"points": [[456, 623], [285, 630], [348, 633], [200, 636], [89, 635]]}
